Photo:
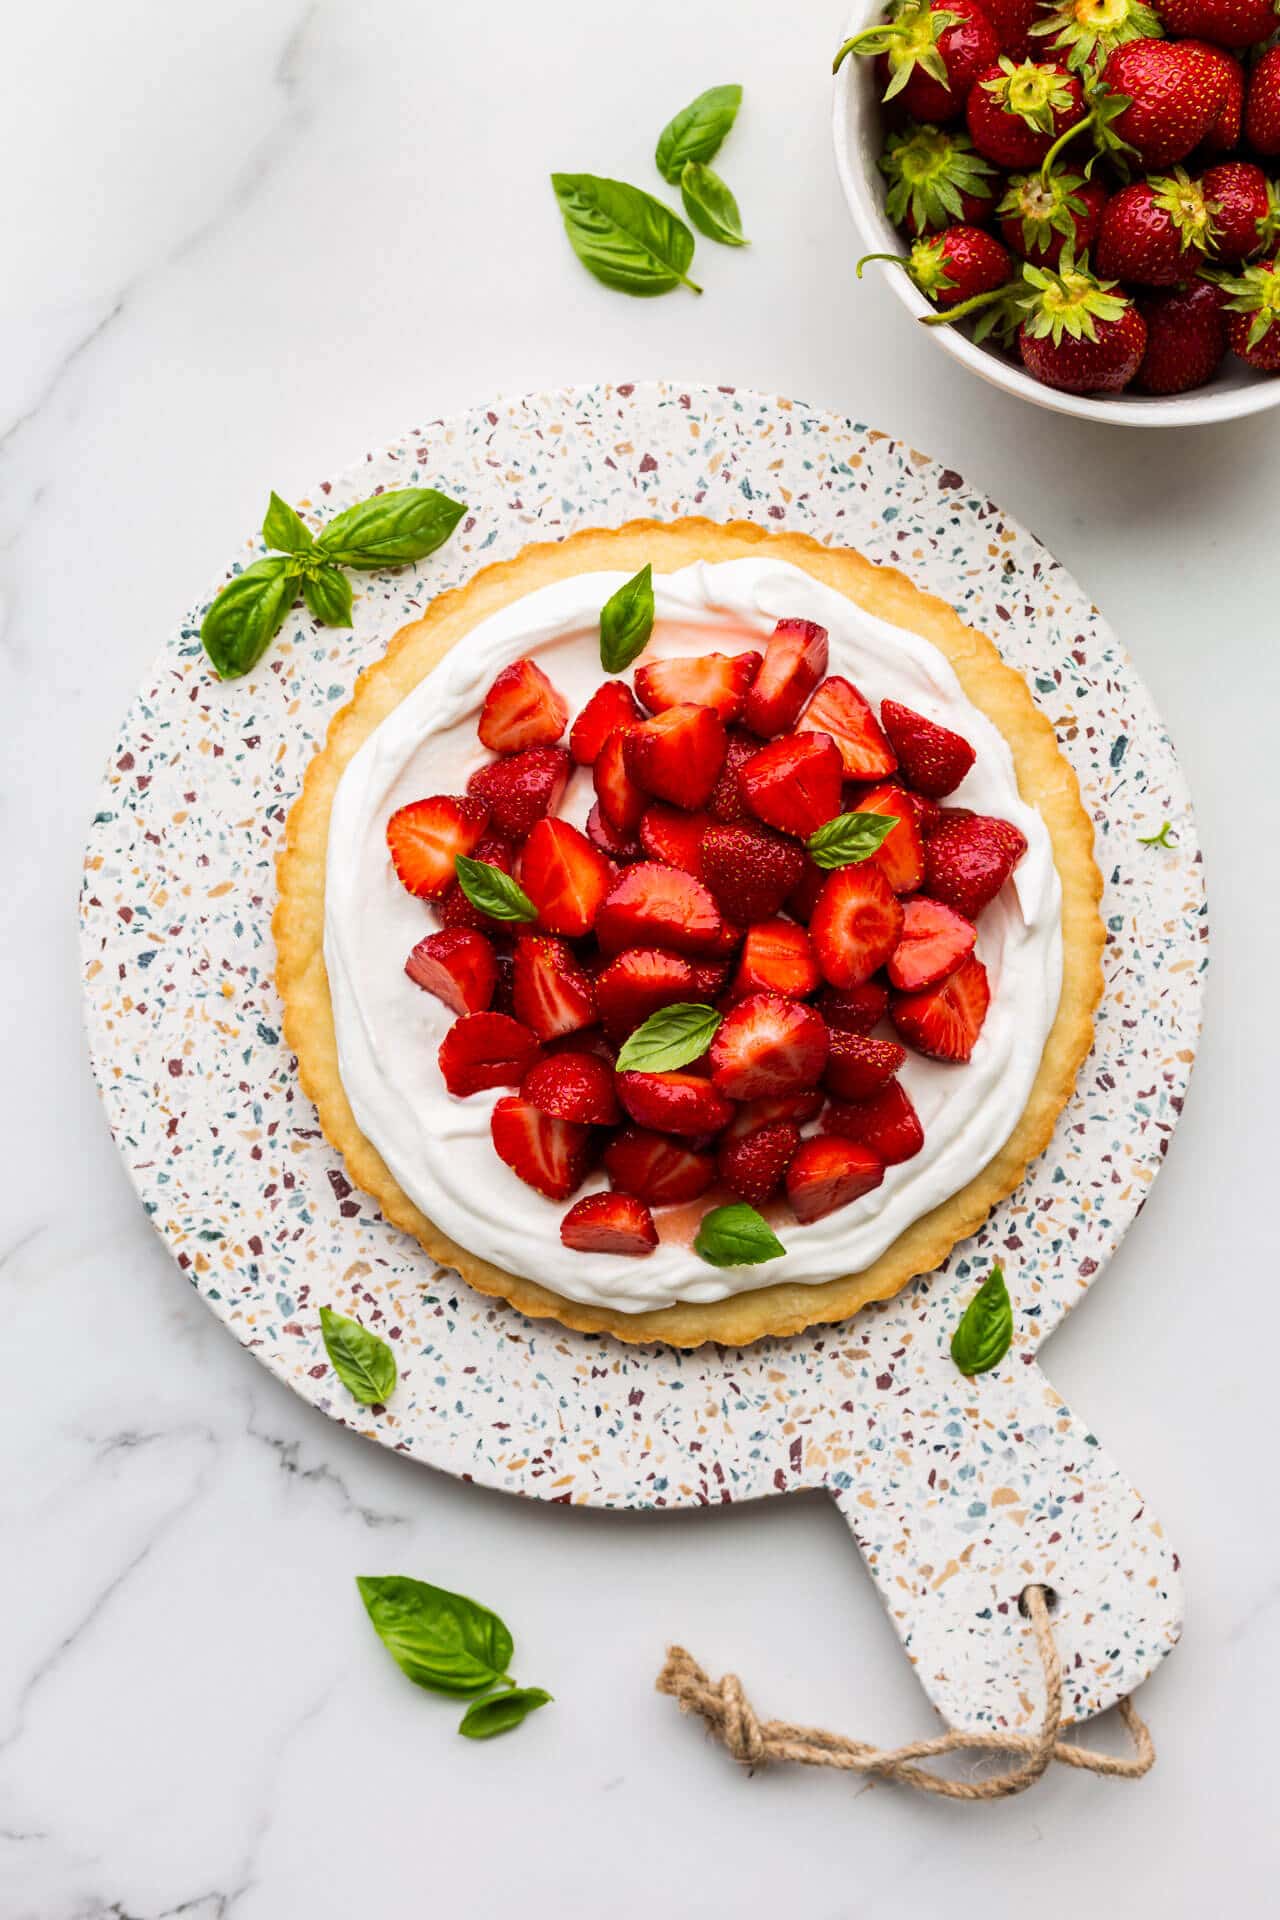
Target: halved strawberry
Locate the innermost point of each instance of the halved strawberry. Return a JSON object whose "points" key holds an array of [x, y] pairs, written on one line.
{"points": [[522, 709], [795, 783], [900, 855], [887, 1123], [945, 1021], [609, 1223], [521, 789], [551, 1155], [968, 859], [749, 870], [728, 802], [573, 1085], [858, 1066], [752, 1167], [839, 710], [827, 1173], [855, 926], [637, 983], [855, 1009], [458, 966], [795, 659], [486, 1050], [935, 939], [768, 1045], [718, 680], [662, 1171], [612, 705], [677, 755], [550, 991], [621, 801], [565, 877], [776, 957], [456, 910], [798, 1108], [652, 906], [426, 837], [674, 1102], [619, 846], [671, 835], [933, 759]]}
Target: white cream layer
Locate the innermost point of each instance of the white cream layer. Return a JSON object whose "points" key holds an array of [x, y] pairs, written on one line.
{"points": [[388, 1030]]}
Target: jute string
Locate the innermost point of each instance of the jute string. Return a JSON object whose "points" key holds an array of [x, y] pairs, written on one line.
{"points": [[732, 1719]]}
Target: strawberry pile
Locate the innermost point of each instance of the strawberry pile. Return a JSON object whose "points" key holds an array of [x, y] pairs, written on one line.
{"points": [[1091, 182], [710, 991]]}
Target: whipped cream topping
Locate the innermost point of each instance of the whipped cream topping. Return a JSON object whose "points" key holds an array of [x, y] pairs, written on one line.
{"points": [[388, 1030]]}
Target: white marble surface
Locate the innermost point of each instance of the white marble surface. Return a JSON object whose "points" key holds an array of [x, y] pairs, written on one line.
{"points": [[242, 245]]}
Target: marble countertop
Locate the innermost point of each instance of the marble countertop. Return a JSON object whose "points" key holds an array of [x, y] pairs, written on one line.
{"points": [[244, 244]]}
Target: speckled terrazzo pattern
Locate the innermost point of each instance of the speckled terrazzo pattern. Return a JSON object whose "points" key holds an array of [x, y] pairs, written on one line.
{"points": [[958, 1493]]}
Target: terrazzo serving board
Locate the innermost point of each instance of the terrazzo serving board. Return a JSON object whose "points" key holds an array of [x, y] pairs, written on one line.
{"points": [[957, 1492]]}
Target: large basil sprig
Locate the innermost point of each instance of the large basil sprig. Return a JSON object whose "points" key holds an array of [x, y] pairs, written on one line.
{"points": [[449, 1644], [622, 235]]}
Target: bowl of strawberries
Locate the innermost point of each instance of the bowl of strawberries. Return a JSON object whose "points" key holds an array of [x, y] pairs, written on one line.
{"points": [[1079, 198]]}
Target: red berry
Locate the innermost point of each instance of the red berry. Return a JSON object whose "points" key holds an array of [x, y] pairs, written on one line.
{"points": [[425, 838], [550, 991], [900, 855], [768, 1045], [663, 1171], [839, 710], [1186, 338], [1017, 109], [1262, 112], [752, 1167], [547, 1154], [716, 680], [573, 1086], [458, 966], [652, 906], [611, 706], [609, 1223], [674, 1102], [486, 1050], [749, 870], [1246, 213], [776, 957], [968, 860], [933, 759], [677, 754], [1039, 216], [935, 939], [637, 983], [829, 1173], [854, 1009], [859, 1066], [674, 837], [1155, 232], [795, 659], [521, 789], [887, 1123], [855, 925], [522, 709], [794, 784]]}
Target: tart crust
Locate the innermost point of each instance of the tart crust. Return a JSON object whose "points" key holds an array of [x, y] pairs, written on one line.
{"points": [[1045, 780]]}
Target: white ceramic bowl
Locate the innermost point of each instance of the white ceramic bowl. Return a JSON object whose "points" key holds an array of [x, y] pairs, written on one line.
{"points": [[1234, 391]]}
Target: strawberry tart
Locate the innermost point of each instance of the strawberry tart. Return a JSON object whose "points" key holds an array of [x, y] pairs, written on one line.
{"points": [[689, 932]]}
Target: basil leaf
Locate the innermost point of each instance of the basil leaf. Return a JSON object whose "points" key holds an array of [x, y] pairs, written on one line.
{"points": [[626, 621], [710, 205], [248, 614], [365, 1364], [327, 593], [392, 529], [441, 1640], [985, 1332], [670, 1038], [622, 235], [284, 530], [501, 1711], [697, 131], [736, 1236], [493, 891], [849, 838]]}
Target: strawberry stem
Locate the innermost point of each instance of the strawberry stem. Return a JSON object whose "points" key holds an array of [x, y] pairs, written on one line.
{"points": [[870, 40], [1046, 165], [894, 259], [976, 304]]}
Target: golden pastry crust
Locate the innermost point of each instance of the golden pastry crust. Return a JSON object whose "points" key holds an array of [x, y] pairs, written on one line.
{"points": [[1044, 779]]}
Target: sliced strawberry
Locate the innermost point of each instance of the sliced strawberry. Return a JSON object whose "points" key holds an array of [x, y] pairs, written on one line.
{"points": [[855, 926], [636, 984], [827, 1173], [803, 897], [753, 1166], [550, 991], [573, 1085], [674, 837], [776, 957], [677, 755], [839, 710], [933, 759], [565, 877], [621, 801], [674, 1102], [795, 659], [521, 789], [709, 977], [652, 906], [935, 939], [969, 858], [857, 1065], [926, 813], [887, 1123], [522, 709], [426, 837], [768, 1045], [619, 846], [457, 911], [798, 1108], [551, 1155], [612, 705], [458, 966], [945, 1021], [718, 680], [900, 855], [664, 1172], [795, 783], [486, 1050], [609, 1223], [749, 870], [728, 802], [855, 1009]]}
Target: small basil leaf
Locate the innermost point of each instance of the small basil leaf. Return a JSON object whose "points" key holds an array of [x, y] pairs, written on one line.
{"points": [[392, 529], [697, 131], [849, 838], [626, 621], [284, 530], [328, 596], [710, 205], [622, 235], [248, 614], [441, 1640], [670, 1038], [736, 1236], [492, 891], [365, 1364], [985, 1332], [501, 1711]]}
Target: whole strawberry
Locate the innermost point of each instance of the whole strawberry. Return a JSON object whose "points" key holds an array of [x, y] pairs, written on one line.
{"points": [[935, 176], [928, 55], [1156, 232], [1223, 134], [1084, 32], [1012, 20], [1262, 111], [1253, 315], [1042, 213], [1016, 112], [952, 267], [1227, 23], [1186, 338], [1246, 210], [1174, 93], [1077, 333]]}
